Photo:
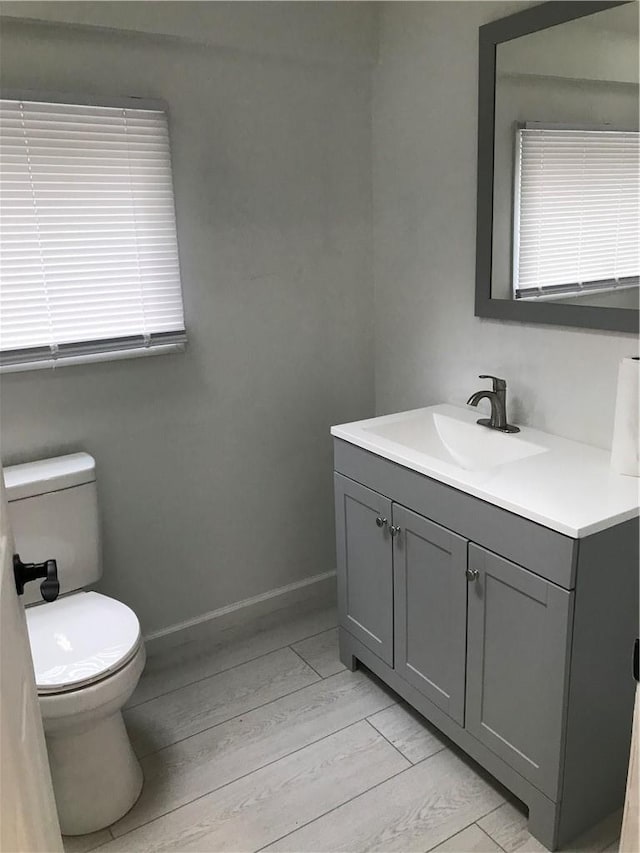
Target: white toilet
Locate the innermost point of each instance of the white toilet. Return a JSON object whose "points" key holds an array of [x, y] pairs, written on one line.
{"points": [[87, 649]]}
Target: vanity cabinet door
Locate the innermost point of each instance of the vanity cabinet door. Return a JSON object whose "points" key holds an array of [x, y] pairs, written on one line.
{"points": [[365, 565], [517, 653], [430, 609]]}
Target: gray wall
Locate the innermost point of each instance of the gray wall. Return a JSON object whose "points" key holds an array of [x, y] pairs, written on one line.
{"points": [[429, 346], [214, 467]]}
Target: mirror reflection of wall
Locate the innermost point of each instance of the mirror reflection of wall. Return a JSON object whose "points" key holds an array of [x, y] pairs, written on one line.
{"points": [[566, 179]]}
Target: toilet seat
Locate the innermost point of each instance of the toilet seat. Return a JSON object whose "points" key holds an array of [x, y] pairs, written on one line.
{"points": [[80, 639]]}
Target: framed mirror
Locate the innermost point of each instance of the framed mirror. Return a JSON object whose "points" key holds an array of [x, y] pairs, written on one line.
{"points": [[558, 237]]}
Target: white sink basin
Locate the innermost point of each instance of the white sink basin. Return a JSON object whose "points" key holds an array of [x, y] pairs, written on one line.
{"points": [[561, 484], [453, 440]]}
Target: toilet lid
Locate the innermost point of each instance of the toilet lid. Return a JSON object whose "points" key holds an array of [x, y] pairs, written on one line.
{"points": [[80, 638]]}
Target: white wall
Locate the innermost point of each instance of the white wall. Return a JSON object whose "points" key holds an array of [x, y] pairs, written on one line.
{"points": [[214, 467], [429, 345]]}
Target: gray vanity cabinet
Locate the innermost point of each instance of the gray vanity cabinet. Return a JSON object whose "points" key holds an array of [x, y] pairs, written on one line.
{"points": [[430, 608], [365, 578], [517, 644], [512, 638]]}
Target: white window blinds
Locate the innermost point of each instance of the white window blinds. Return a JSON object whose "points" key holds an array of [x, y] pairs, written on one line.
{"points": [[88, 247], [576, 211]]}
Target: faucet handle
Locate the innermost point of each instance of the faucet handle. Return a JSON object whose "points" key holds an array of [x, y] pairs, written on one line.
{"points": [[498, 384]]}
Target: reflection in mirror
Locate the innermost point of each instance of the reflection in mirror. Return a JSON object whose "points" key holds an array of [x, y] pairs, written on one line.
{"points": [[566, 170]]}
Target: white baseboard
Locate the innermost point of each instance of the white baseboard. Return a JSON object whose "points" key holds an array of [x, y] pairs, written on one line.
{"points": [[317, 589]]}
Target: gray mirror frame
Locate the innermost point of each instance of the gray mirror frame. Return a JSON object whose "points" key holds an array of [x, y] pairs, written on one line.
{"points": [[522, 23]]}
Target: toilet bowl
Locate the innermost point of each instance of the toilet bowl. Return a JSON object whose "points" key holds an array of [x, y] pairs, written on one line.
{"points": [[88, 656], [87, 649]]}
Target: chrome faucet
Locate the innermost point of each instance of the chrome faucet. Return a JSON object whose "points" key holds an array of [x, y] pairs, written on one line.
{"points": [[498, 399]]}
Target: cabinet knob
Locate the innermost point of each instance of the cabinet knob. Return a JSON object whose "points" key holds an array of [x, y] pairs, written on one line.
{"points": [[380, 521], [394, 531], [472, 574]]}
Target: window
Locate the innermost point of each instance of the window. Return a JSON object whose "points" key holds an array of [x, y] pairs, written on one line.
{"points": [[575, 211], [88, 247]]}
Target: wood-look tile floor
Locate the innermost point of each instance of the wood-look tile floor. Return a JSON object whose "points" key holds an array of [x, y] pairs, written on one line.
{"points": [[264, 741]]}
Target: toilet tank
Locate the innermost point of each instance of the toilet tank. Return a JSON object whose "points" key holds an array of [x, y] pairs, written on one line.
{"points": [[53, 509]]}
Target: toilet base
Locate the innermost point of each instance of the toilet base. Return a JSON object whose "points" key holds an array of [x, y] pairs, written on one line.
{"points": [[96, 775]]}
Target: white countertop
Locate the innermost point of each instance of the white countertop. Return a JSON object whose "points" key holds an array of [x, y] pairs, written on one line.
{"points": [[569, 487]]}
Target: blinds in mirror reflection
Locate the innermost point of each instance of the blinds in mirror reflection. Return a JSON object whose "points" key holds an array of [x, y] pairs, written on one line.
{"points": [[576, 206]]}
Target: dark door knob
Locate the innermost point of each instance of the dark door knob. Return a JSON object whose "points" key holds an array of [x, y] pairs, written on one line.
{"points": [[26, 572]]}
